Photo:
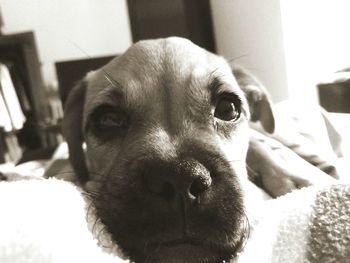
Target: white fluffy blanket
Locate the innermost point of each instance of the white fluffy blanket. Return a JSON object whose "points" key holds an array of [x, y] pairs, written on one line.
{"points": [[308, 225], [45, 221]]}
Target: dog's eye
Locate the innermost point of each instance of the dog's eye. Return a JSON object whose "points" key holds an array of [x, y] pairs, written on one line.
{"points": [[107, 119], [111, 120], [227, 110]]}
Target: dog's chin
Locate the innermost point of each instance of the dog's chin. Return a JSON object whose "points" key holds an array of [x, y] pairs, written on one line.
{"points": [[185, 252], [191, 250]]}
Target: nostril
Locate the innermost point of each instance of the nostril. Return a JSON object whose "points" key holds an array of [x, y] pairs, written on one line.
{"points": [[199, 185]]}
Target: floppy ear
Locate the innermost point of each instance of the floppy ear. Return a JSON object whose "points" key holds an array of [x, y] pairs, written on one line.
{"points": [[72, 130], [258, 99]]}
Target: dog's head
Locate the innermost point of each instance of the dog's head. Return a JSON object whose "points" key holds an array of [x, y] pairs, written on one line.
{"points": [[166, 130]]}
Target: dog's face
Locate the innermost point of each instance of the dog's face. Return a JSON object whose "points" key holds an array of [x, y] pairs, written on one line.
{"points": [[165, 126]]}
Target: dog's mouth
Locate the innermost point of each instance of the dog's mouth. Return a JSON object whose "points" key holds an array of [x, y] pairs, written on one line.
{"points": [[194, 247], [191, 249], [193, 242]]}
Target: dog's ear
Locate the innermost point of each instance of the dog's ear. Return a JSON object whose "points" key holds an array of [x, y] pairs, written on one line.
{"points": [[258, 99], [72, 130]]}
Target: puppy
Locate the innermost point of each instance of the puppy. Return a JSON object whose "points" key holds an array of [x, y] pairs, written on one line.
{"points": [[166, 132]]}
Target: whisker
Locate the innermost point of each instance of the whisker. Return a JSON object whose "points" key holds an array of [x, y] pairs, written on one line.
{"points": [[88, 212], [106, 247], [246, 233], [112, 81], [94, 225], [103, 228], [230, 61], [62, 173], [91, 193], [234, 59], [78, 47], [108, 77], [71, 172], [236, 160]]}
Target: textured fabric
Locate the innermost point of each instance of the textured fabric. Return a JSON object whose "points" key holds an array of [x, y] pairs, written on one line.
{"points": [[310, 225], [308, 131], [330, 226], [280, 229]]}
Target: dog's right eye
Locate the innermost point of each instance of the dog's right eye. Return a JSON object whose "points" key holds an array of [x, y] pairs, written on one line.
{"points": [[109, 120]]}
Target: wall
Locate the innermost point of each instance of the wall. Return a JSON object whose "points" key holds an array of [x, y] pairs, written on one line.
{"points": [[290, 45], [67, 29], [251, 32], [317, 43]]}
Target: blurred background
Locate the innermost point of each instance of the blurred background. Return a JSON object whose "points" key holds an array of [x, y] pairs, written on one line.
{"points": [[299, 49]]}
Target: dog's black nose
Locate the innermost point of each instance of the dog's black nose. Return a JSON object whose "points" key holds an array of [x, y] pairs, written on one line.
{"points": [[187, 178]]}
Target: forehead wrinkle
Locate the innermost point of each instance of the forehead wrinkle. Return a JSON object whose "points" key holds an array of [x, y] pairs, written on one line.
{"points": [[109, 95], [218, 86], [205, 84], [141, 75], [189, 98], [223, 80], [214, 73], [197, 94]]}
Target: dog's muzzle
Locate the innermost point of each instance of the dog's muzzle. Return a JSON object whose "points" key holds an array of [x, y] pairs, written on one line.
{"points": [[187, 209]]}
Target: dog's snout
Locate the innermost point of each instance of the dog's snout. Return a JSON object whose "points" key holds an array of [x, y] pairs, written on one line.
{"points": [[186, 178]]}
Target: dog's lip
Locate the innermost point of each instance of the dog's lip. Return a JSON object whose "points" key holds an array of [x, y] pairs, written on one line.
{"points": [[195, 246], [190, 249], [198, 242]]}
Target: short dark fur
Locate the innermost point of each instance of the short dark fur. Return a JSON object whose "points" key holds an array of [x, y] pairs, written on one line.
{"points": [[141, 219], [72, 130]]}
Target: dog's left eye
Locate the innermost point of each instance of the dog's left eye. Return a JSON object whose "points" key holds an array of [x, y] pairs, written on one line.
{"points": [[227, 110]]}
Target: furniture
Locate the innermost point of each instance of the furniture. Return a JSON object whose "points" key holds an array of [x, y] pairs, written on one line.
{"points": [[71, 71], [335, 97], [163, 18], [19, 56]]}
